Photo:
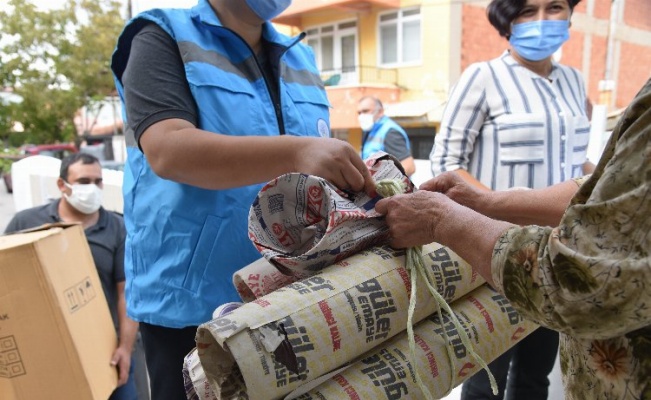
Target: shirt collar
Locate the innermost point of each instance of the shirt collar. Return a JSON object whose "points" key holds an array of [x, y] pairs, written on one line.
{"points": [[53, 214], [53, 210], [512, 62]]}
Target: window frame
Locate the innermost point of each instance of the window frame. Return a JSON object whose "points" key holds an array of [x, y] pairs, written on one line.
{"points": [[399, 22], [337, 35]]}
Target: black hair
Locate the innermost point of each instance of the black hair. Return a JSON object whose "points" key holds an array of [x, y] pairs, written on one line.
{"points": [[501, 13], [85, 158]]}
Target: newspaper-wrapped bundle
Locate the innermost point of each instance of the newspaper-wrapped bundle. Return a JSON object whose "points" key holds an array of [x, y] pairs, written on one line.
{"points": [[303, 223], [267, 348], [260, 278], [196, 385], [387, 372]]}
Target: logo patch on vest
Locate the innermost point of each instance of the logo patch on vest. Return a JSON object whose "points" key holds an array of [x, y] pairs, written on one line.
{"points": [[322, 128]]}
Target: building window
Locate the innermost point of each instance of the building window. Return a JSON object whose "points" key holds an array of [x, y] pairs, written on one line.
{"points": [[335, 48], [400, 37], [421, 141]]}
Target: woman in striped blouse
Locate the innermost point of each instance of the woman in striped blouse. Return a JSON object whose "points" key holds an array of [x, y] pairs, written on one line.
{"points": [[518, 121]]}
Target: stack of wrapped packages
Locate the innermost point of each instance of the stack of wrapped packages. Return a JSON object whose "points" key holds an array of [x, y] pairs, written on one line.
{"points": [[326, 309]]}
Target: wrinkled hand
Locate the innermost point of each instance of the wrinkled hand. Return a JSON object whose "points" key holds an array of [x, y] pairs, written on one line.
{"points": [[122, 359], [414, 219], [336, 161], [452, 185]]}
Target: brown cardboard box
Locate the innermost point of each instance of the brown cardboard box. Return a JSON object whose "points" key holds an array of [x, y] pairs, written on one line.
{"points": [[56, 333]]}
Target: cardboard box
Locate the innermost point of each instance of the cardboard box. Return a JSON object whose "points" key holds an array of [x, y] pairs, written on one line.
{"points": [[56, 332]]}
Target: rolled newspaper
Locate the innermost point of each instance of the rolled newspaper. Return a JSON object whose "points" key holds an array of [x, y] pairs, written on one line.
{"points": [[260, 278], [303, 223], [387, 372], [270, 346]]}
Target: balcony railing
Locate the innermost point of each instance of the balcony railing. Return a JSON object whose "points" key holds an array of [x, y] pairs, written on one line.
{"points": [[360, 75]]}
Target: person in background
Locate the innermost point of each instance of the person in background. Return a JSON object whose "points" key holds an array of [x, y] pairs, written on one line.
{"points": [[217, 103], [80, 183], [381, 133], [518, 121], [587, 278]]}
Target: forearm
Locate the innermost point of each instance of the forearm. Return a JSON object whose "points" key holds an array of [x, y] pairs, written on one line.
{"points": [[128, 328], [588, 168], [528, 207], [472, 236], [128, 332], [466, 176], [214, 161], [409, 165]]}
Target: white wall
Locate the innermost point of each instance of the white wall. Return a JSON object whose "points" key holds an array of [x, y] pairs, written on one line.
{"points": [[34, 183], [423, 172]]}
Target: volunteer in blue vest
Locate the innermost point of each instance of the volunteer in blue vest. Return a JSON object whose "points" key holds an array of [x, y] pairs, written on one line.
{"points": [[381, 133], [217, 103]]}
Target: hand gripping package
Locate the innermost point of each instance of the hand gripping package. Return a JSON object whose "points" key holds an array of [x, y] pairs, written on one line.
{"points": [[303, 223]]}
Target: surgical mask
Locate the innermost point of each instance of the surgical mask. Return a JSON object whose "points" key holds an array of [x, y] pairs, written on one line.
{"points": [[85, 198], [366, 121], [268, 9], [537, 40]]}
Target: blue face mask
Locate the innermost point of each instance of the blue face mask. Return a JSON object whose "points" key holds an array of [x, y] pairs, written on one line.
{"points": [[268, 9], [537, 40]]}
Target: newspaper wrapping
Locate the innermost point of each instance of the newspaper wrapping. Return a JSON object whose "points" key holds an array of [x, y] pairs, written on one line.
{"points": [[322, 226], [197, 386], [302, 223], [387, 372], [260, 278], [318, 320], [269, 347]]}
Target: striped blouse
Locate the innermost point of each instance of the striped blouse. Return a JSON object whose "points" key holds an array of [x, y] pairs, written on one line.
{"points": [[509, 127]]}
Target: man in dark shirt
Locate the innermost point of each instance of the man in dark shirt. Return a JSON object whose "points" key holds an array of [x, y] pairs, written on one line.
{"points": [[80, 183]]}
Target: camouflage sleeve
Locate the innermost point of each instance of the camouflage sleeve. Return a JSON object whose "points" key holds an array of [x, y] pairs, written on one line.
{"points": [[581, 180], [590, 276]]}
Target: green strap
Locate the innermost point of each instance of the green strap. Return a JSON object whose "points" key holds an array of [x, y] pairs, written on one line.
{"points": [[416, 268]]}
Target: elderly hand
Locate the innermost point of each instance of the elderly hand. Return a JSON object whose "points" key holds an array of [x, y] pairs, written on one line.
{"points": [[416, 219], [455, 187]]}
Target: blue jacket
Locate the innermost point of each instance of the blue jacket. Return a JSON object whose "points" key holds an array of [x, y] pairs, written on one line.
{"points": [[374, 140], [184, 243]]}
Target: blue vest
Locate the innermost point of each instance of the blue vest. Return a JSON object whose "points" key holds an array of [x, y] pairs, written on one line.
{"points": [[374, 140], [184, 243]]}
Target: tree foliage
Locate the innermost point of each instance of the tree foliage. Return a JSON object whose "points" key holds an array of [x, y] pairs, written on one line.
{"points": [[58, 61]]}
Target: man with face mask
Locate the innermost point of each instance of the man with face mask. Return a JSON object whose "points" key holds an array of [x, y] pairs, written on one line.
{"points": [[80, 183], [381, 133], [217, 103]]}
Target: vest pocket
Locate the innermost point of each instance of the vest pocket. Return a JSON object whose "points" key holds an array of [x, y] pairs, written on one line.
{"points": [[521, 138], [228, 101], [306, 112], [202, 253]]}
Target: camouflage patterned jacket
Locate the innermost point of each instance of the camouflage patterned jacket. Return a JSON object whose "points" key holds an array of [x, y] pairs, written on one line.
{"points": [[590, 278]]}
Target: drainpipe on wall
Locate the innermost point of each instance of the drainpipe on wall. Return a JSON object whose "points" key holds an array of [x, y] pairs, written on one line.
{"points": [[607, 85]]}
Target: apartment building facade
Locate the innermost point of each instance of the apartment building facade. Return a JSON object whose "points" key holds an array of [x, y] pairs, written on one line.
{"points": [[409, 53]]}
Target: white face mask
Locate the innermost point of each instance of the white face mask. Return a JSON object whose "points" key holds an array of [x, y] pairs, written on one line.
{"points": [[85, 198], [366, 121]]}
